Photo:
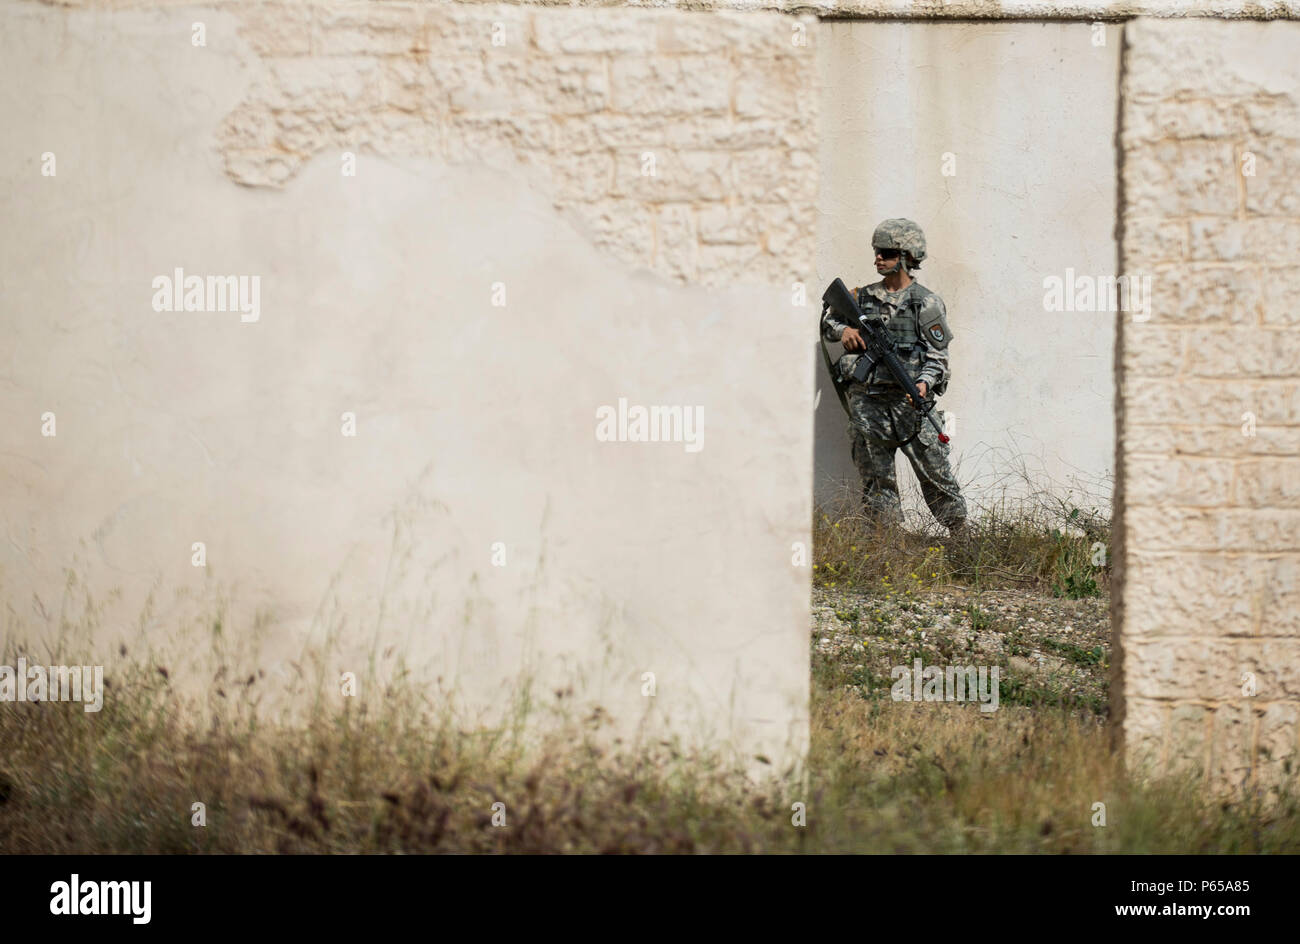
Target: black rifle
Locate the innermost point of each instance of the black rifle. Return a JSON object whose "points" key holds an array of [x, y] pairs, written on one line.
{"points": [[880, 350]]}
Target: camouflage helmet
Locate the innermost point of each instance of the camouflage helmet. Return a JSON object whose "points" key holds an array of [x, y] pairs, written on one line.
{"points": [[900, 234]]}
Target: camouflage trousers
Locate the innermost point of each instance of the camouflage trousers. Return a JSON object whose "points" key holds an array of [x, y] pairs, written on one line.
{"points": [[881, 420]]}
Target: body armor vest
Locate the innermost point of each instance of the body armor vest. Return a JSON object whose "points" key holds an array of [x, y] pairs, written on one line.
{"points": [[904, 330]]}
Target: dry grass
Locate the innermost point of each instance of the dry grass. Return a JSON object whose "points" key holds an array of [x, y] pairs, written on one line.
{"points": [[394, 774], [1040, 540], [394, 777], [897, 777]]}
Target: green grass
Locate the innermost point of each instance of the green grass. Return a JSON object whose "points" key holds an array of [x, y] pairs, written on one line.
{"points": [[1076, 654]]}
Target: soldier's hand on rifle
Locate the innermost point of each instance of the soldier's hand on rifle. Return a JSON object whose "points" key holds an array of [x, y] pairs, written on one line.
{"points": [[852, 340], [922, 388]]}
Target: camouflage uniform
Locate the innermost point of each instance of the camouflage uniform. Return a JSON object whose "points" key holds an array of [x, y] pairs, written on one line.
{"points": [[881, 417]]}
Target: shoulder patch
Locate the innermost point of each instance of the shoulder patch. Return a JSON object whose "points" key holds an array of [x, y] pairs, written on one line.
{"points": [[932, 320]]}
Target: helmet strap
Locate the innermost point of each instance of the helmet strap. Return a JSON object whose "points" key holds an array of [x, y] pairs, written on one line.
{"points": [[900, 265]]}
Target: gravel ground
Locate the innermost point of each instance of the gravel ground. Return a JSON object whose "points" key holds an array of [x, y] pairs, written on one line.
{"points": [[1050, 650]]}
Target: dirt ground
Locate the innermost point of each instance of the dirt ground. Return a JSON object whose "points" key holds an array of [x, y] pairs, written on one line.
{"points": [[1050, 650]]}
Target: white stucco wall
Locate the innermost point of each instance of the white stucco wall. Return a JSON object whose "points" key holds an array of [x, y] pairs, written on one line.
{"points": [[475, 424], [1027, 112]]}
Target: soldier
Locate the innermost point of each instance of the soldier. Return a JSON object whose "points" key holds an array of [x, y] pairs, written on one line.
{"points": [[883, 419]]}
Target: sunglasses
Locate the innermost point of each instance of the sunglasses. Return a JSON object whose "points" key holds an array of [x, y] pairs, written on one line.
{"points": [[887, 254]]}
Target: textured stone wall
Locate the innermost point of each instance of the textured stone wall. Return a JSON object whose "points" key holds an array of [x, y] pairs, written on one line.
{"points": [[890, 9], [718, 106], [1208, 614]]}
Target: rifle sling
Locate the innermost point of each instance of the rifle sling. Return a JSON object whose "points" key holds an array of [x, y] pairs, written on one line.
{"points": [[836, 381]]}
